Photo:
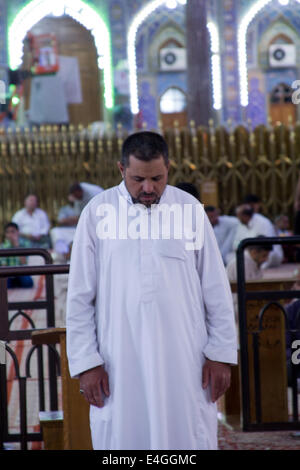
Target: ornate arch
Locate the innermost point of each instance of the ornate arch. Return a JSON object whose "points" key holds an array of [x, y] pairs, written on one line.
{"points": [[138, 20], [253, 11], [84, 14], [169, 32]]}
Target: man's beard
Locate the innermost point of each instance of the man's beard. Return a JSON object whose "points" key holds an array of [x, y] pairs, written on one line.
{"points": [[153, 199]]}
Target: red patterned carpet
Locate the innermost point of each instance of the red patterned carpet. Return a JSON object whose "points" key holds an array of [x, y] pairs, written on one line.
{"points": [[230, 439]]}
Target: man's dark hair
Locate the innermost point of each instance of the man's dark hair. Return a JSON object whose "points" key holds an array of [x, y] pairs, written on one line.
{"points": [[209, 208], [188, 188], [75, 187], [261, 247], [247, 211], [251, 199], [11, 224], [145, 146]]}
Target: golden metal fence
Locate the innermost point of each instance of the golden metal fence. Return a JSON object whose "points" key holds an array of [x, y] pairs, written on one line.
{"points": [[241, 160]]}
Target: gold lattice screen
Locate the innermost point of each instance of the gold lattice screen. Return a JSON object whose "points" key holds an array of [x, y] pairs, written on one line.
{"points": [[264, 161]]}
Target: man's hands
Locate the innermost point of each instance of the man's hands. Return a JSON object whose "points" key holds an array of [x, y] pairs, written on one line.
{"points": [[94, 383], [33, 238], [217, 374], [68, 221]]}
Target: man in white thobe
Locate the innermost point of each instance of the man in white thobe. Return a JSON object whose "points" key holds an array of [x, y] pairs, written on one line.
{"points": [[225, 227], [62, 235], [33, 223], [150, 321], [254, 225], [254, 257], [81, 193]]}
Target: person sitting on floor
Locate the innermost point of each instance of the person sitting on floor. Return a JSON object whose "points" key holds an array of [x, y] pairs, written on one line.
{"points": [[254, 201], [33, 223], [252, 225], [62, 235], [13, 241], [81, 193], [282, 226], [67, 216], [225, 227], [254, 257]]}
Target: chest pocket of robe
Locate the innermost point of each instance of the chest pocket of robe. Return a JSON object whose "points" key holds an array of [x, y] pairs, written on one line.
{"points": [[154, 269], [171, 249]]}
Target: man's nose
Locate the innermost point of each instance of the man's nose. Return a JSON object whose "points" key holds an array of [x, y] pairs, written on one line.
{"points": [[148, 186]]}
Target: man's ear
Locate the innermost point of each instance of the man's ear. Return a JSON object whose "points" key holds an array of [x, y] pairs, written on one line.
{"points": [[121, 168]]}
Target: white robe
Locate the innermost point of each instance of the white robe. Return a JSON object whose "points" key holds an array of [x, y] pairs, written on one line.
{"points": [[259, 225], [225, 231], [151, 311]]}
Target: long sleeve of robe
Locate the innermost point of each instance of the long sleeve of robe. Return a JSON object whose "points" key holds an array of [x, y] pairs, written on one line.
{"points": [[151, 312]]}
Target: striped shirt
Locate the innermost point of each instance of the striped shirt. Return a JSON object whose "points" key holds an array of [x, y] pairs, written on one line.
{"points": [[12, 260]]}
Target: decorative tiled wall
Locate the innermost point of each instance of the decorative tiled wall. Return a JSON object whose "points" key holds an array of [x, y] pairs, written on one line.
{"points": [[152, 83], [263, 79]]}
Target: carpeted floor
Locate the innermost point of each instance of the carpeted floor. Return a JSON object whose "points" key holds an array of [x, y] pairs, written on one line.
{"points": [[234, 439]]}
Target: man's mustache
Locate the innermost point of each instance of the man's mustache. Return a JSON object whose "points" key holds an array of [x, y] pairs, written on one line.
{"points": [[147, 195]]}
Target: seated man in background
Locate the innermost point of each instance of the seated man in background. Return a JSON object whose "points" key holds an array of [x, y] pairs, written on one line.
{"points": [[253, 225], [189, 188], [245, 229], [67, 216], [254, 257], [61, 237], [81, 193], [254, 201], [63, 234], [282, 226], [33, 223], [225, 227], [12, 240]]}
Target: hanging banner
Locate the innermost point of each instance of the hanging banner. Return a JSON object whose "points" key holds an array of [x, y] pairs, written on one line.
{"points": [[47, 101], [44, 54], [69, 72]]}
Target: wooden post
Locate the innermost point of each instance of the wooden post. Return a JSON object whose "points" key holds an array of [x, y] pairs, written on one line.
{"points": [[76, 430], [273, 375], [272, 349]]}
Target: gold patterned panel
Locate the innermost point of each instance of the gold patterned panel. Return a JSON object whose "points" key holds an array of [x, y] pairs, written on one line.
{"points": [[241, 160]]}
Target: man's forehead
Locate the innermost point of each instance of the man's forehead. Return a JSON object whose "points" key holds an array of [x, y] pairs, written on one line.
{"points": [[156, 165]]}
